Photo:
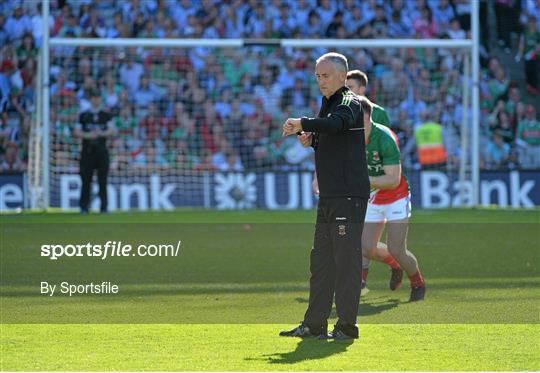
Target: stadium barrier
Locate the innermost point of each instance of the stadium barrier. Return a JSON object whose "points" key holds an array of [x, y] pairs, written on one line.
{"points": [[270, 190]]}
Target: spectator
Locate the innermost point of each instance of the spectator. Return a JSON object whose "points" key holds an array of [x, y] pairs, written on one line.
{"points": [[326, 11], [66, 114], [11, 162], [269, 93], [71, 28], [394, 81], [497, 152], [182, 126], [498, 85], [4, 37], [379, 23], [252, 149], [334, 25], [27, 48], [314, 27], [223, 104], [443, 13], [463, 12], [425, 26], [397, 28], [528, 139], [181, 157], [368, 10], [146, 94], [114, 29], [529, 50], [455, 31], [205, 161], [256, 24], [18, 24], [296, 96], [152, 126], [285, 24], [93, 24], [514, 105], [233, 163], [301, 10], [209, 123], [507, 15], [532, 8], [126, 123], [220, 157], [110, 92], [131, 73], [504, 128]]}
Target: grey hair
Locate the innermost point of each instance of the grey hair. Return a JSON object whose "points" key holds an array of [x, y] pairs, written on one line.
{"points": [[338, 60]]}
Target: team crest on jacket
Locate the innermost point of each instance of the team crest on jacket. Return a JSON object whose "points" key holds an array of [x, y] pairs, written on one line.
{"points": [[376, 156], [341, 230]]}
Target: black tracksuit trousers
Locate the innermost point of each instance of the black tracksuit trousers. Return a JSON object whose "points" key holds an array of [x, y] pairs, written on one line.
{"points": [[336, 264], [94, 159]]}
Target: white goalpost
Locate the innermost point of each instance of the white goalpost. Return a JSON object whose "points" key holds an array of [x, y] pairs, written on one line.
{"points": [[57, 151]]}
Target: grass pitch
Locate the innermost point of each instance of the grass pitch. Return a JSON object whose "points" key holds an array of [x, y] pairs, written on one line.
{"points": [[242, 276]]}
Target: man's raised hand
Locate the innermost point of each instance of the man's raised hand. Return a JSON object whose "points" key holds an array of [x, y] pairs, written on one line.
{"points": [[292, 126]]}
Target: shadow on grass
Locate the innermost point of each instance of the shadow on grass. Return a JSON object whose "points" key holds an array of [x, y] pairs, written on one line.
{"points": [[371, 306], [307, 349], [375, 306]]}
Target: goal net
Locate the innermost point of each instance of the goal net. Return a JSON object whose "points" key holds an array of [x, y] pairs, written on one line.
{"points": [[200, 126]]}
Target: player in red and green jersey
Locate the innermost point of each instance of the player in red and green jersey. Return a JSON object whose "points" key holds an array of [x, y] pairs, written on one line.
{"points": [[389, 205], [357, 82]]}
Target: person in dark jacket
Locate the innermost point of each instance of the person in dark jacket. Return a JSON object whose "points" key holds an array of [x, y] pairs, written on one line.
{"points": [[94, 128], [337, 136]]}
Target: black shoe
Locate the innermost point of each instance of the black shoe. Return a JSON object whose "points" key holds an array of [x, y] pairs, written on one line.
{"points": [[417, 293], [339, 335], [84, 211], [396, 278], [302, 331], [363, 289]]}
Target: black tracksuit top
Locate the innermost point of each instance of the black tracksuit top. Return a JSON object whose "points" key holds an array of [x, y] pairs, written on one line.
{"points": [[340, 154]]}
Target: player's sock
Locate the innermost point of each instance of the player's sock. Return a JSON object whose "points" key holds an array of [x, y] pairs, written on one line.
{"points": [[417, 279], [365, 272], [391, 262]]}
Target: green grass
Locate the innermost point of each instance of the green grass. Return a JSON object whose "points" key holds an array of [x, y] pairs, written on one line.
{"points": [[242, 276], [256, 348]]}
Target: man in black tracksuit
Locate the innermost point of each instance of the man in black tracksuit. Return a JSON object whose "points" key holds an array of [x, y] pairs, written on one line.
{"points": [[94, 126], [337, 136]]}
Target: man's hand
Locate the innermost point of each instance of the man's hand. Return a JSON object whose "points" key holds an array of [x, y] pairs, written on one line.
{"points": [[292, 126], [315, 186], [305, 139]]}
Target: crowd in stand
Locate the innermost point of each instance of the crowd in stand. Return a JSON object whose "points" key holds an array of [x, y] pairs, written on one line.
{"points": [[222, 109]]}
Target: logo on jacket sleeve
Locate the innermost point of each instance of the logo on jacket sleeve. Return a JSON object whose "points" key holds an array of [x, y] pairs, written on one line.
{"points": [[341, 230]]}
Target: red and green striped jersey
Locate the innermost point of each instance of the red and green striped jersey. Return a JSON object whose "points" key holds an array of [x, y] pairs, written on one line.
{"points": [[382, 149]]}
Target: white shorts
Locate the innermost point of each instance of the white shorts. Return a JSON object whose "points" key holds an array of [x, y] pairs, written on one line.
{"points": [[398, 210]]}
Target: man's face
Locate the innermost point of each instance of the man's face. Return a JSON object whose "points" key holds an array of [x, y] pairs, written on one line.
{"points": [[354, 85], [96, 101], [329, 78]]}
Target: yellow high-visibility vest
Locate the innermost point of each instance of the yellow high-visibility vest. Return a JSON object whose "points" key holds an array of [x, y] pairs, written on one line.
{"points": [[429, 143]]}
